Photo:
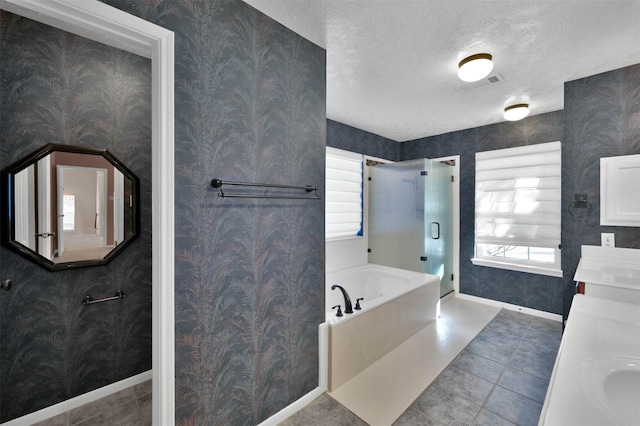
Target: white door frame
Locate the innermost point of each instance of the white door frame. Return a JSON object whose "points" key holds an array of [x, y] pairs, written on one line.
{"points": [[100, 22]]}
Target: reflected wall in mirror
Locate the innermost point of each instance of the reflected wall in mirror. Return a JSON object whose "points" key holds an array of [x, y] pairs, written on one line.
{"points": [[69, 207]]}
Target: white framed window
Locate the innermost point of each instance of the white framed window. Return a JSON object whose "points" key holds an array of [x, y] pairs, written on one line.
{"points": [[518, 209], [343, 194]]}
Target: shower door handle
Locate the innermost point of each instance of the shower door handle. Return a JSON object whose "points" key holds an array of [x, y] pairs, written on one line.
{"points": [[437, 228]]}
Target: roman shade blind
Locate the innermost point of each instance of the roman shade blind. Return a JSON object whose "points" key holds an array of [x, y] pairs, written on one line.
{"points": [[343, 197], [518, 196]]}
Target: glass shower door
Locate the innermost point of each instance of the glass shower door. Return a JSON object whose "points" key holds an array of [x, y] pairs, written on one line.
{"points": [[396, 215], [440, 233], [410, 218]]}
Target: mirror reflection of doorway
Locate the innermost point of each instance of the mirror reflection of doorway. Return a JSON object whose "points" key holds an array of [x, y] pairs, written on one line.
{"points": [[82, 213]]}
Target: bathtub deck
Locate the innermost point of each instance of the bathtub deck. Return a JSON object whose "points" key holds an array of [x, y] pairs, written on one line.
{"points": [[384, 390]]}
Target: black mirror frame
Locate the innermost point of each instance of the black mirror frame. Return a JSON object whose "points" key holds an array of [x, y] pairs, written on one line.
{"points": [[8, 221]]}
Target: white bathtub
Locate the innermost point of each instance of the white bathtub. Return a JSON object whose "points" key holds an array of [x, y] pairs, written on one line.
{"points": [[397, 304]]}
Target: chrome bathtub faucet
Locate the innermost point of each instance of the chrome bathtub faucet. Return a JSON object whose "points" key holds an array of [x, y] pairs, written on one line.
{"points": [[348, 308]]}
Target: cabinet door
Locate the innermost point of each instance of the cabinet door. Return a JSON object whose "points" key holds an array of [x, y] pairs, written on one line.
{"points": [[619, 193]]}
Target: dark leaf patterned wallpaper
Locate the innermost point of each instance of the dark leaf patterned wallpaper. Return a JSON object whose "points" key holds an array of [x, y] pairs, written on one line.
{"points": [[59, 88], [250, 106], [349, 138]]}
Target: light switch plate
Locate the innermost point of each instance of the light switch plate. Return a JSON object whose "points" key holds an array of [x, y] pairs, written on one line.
{"points": [[608, 239]]}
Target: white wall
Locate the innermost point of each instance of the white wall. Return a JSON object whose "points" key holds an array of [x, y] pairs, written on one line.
{"points": [[82, 182], [346, 253]]}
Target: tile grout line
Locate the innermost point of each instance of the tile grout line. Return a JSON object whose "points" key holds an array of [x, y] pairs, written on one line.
{"points": [[495, 384], [468, 372], [506, 365], [481, 356]]}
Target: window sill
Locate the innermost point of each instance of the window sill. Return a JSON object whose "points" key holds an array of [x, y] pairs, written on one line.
{"points": [[355, 237], [518, 267]]}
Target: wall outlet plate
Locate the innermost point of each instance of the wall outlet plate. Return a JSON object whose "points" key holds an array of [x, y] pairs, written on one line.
{"points": [[608, 239]]}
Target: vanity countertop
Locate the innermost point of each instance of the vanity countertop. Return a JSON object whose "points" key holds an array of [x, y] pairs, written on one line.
{"points": [[596, 376], [609, 266]]}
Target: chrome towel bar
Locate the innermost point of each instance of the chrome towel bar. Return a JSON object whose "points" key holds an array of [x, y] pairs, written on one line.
{"points": [[217, 183], [89, 300]]}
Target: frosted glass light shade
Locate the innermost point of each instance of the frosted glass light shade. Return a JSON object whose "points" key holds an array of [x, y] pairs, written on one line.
{"points": [[516, 112], [475, 67]]}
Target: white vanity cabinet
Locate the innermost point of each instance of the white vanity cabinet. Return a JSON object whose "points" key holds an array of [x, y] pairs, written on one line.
{"points": [[620, 190]]}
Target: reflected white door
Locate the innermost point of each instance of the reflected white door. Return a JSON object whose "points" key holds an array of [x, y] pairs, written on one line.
{"points": [[60, 175], [118, 206], [101, 205], [45, 227], [24, 205]]}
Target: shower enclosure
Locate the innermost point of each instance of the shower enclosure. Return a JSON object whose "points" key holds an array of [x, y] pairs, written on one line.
{"points": [[411, 218]]}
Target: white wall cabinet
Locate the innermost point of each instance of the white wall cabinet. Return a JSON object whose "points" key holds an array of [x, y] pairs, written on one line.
{"points": [[620, 190]]}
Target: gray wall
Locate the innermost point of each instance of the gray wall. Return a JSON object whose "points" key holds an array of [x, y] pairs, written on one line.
{"points": [[601, 119], [519, 288], [59, 88], [250, 106], [349, 138], [534, 291]]}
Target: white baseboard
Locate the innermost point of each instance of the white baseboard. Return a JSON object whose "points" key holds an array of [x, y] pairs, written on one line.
{"points": [[70, 404], [292, 408], [529, 311], [448, 296]]}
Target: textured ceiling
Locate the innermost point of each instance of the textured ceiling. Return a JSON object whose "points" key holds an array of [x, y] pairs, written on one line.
{"points": [[391, 64]]}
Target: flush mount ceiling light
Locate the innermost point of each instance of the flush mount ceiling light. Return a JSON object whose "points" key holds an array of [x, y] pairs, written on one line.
{"points": [[516, 112], [475, 67]]}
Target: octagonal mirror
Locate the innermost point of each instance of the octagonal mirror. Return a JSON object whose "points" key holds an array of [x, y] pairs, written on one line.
{"points": [[69, 207]]}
